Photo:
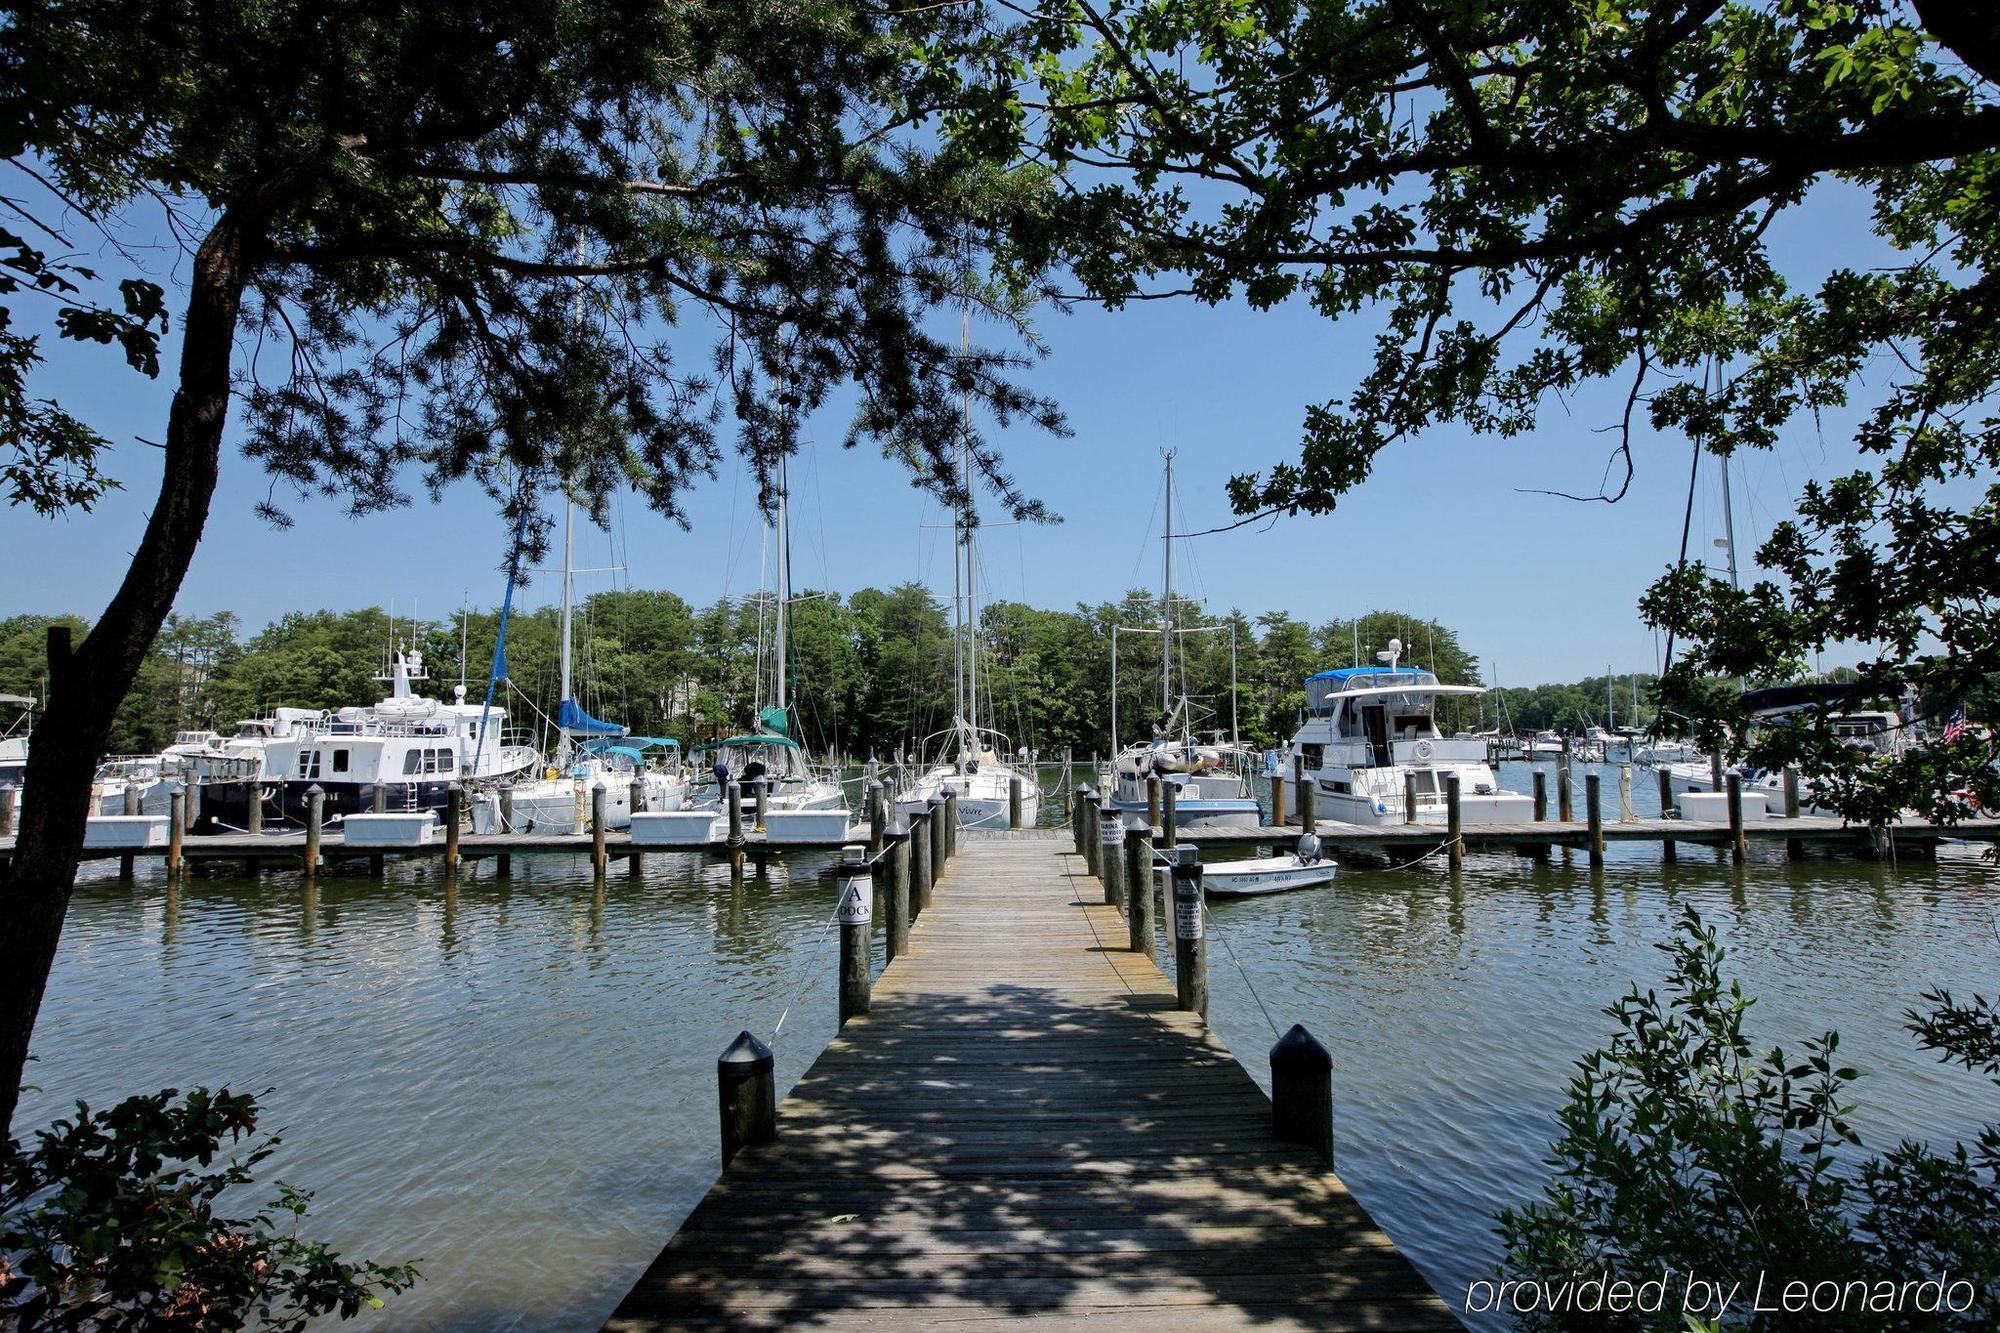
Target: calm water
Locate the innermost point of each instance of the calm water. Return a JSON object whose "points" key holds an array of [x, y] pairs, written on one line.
{"points": [[512, 1080]]}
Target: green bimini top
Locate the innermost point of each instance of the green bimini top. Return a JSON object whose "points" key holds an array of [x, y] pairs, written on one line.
{"points": [[737, 742]]}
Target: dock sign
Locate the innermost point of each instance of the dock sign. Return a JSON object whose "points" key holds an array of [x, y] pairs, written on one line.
{"points": [[1187, 907], [856, 907]]}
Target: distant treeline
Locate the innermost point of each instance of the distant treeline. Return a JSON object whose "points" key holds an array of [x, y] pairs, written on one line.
{"points": [[870, 672]]}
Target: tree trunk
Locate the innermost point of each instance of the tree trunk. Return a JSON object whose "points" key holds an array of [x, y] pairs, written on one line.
{"points": [[87, 685]]}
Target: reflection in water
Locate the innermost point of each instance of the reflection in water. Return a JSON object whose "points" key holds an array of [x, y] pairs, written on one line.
{"points": [[511, 1080]]}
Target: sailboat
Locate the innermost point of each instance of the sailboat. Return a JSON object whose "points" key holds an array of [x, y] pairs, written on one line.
{"points": [[588, 752], [1211, 781], [970, 757], [769, 752]]}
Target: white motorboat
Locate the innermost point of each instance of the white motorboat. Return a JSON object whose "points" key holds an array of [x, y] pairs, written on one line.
{"points": [[1370, 732], [1303, 869]]}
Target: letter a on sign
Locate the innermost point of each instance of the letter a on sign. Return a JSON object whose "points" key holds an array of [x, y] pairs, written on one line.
{"points": [[855, 908]]}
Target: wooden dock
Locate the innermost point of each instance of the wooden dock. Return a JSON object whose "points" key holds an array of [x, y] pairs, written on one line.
{"points": [[1025, 1128]]}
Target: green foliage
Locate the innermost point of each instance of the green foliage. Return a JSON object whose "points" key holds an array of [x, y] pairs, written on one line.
{"points": [[1685, 1149], [1535, 196], [110, 1221]]}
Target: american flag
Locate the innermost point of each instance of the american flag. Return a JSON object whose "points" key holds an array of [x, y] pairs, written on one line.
{"points": [[1954, 724]]}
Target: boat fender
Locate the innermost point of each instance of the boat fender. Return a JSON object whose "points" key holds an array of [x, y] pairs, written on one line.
{"points": [[551, 774], [1423, 749], [1381, 807]]}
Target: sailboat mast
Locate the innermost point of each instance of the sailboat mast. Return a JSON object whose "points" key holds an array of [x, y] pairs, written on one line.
{"points": [[778, 699], [1729, 523], [568, 581], [967, 521], [1167, 601]]}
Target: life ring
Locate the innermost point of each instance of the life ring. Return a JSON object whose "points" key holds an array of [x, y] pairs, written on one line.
{"points": [[1423, 749]]}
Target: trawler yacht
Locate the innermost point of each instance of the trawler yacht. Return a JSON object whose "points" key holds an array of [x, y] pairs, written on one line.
{"points": [[1368, 728]]}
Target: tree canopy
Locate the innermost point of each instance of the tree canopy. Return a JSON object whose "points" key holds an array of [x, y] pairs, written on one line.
{"points": [[1535, 195]]}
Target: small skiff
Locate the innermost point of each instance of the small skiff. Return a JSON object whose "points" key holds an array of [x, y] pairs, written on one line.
{"points": [[1266, 874]]}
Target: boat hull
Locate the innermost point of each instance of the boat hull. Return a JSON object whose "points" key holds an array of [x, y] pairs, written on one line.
{"points": [[1203, 813], [1271, 874]]}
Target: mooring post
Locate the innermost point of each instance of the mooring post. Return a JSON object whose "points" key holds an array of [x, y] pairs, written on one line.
{"points": [[597, 857], [1593, 809], [635, 798], [191, 810], [315, 814], [1170, 813], [1453, 825], [1152, 800], [1110, 857], [1308, 802], [1302, 1092], [454, 815], [920, 863], [1409, 798], [1794, 848], [1076, 815], [950, 823], [732, 800], [503, 864], [1014, 802], [380, 805], [1739, 847], [938, 856], [896, 851], [1278, 796], [878, 816], [855, 913], [176, 832], [1715, 771], [762, 788], [1093, 806], [1137, 879], [1667, 851], [746, 1089], [253, 806], [1626, 814], [1190, 948], [1541, 796], [131, 807]]}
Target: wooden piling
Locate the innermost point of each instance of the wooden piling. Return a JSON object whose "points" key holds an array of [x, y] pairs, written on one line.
{"points": [[1409, 798], [1093, 820], [1111, 856], [454, 816], [1541, 796], [1076, 816], [1667, 852], [380, 805], [1278, 798], [10, 804], [1308, 802], [732, 800], [1153, 800], [936, 827], [920, 863], [1138, 878], [762, 788], [896, 850], [1170, 817], [315, 816], [1453, 824], [1190, 942], [1715, 771], [1565, 805], [746, 1090], [1794, 849], [131, 807], [1626, 814], [1302, 1092], [1014, 805], [1739, 848], [855, 915], [253, 805], [1593, 809], [950, 823], [176, 832], [878, 815]]}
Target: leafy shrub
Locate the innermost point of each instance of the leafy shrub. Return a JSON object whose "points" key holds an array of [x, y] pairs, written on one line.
{"points": [[1686, 1151], [109, 1221]]}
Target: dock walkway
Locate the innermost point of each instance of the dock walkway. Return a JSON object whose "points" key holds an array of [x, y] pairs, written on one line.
{"points": [[1025, 1128]]}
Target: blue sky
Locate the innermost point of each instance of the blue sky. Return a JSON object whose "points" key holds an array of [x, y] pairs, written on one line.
{"points": [[1540, 588]]}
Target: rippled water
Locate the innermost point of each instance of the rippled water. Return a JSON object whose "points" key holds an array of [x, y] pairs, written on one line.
{"points": [[511, 1081]]}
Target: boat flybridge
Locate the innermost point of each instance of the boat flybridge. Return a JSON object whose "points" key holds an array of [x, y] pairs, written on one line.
{"points": [[1368, 729]]}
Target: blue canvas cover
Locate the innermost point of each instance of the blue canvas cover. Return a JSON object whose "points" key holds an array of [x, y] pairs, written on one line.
{"points": [[575, 721]]}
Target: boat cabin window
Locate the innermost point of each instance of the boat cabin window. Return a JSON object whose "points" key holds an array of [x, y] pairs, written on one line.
{"points": [[427, 761], [340, 761], [1341, 786], [308, 763], [1314, 755]]}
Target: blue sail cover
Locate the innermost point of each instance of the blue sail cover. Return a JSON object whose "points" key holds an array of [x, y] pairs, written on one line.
{"points": [[574, 720]]}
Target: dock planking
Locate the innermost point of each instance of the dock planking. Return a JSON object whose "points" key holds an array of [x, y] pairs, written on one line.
{"points": [[1025, 1128]]}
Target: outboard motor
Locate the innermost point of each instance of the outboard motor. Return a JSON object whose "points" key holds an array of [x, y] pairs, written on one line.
{"points": [[1309, 849]]}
